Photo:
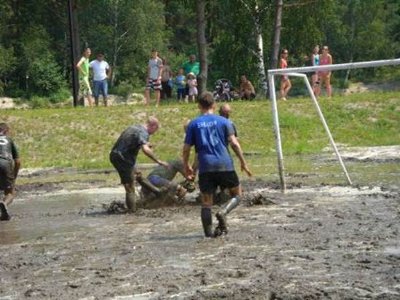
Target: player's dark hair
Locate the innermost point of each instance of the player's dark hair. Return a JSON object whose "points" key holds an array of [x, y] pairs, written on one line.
{"points": [[206, 100]]}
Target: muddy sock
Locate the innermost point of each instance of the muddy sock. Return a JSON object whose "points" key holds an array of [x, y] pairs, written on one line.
{"points": [[234, 202], [206, 220], [130, 200]]}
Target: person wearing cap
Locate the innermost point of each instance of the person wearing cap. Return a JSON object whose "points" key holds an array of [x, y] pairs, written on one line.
{"points": [[153, 82]]}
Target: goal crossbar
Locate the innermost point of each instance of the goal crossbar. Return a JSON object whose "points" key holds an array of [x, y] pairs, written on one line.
{"points": [[335, 67], [297, 72]]}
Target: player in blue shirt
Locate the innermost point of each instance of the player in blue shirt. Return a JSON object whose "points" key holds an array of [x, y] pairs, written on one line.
{"points": [[211, 135]]}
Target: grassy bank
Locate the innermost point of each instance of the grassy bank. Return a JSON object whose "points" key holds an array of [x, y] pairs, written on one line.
{"points": [[82, 137]]}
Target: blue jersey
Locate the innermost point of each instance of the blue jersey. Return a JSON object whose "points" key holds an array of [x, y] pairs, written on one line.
{"points": [[209, 135]]}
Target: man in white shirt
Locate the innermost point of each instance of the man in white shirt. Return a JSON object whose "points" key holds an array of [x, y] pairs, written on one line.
{"points": [[153, 82], [101, 72]]}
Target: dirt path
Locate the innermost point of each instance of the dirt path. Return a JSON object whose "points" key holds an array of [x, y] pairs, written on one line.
{"points": [[311, 243]]}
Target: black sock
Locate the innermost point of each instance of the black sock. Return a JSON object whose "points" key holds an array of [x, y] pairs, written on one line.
{"points": [[206, 220]]}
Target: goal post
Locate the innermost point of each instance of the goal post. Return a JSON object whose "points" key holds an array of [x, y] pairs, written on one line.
{"points": [[299, 72]]}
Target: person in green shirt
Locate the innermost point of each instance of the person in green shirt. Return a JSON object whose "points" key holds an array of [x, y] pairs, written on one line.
{"points": [[191, 66], [83, 68]]}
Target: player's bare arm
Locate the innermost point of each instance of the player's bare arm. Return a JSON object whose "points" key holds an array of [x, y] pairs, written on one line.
{"points": [[185, 156], [146, 148], [239, 153]]}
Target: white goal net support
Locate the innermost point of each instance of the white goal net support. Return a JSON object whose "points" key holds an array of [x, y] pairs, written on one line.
{"points": [[300, 72]]}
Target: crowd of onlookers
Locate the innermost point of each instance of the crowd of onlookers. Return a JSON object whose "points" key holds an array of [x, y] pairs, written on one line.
{"points": [[322, 77], [160, 79], [166, 84]]}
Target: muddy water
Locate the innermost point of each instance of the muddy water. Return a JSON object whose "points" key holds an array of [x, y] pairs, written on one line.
{"points": [[311, 243]]}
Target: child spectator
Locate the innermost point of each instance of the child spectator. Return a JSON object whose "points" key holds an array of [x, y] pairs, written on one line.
{"points": [[180, 82], [192, 83]]}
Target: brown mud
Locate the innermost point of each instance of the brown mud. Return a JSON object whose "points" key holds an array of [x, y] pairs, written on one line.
{"points": [[314, 242]]}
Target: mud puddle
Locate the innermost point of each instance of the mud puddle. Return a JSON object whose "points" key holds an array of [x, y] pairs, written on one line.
{"points": [[310, 243]]}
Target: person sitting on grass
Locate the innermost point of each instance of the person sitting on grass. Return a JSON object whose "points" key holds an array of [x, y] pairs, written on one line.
{"points": [[9, 167], [247, 91]]}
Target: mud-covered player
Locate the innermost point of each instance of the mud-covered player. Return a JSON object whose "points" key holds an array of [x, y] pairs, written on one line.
{"points": [[125, 151], [9, 167], [211, 135], [160, 180]]}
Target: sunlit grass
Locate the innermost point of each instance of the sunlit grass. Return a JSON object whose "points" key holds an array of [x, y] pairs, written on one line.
{"points": [[83, 137]]}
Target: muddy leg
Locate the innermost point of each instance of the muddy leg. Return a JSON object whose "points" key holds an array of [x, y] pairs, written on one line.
{"points": [[8, 199], [206, 215], [222, 227], [144, 182], [130, 197]]}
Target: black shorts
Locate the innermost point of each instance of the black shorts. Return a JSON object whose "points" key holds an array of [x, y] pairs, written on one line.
{"points": [[7, 177], [124, 168], [209, 182]]}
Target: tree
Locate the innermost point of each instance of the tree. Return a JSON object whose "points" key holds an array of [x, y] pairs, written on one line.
{"points": [[256, 12], [202, 44]]}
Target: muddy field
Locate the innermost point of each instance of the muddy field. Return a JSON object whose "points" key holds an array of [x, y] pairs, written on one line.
{"points": [[314, 242], [311, 243]]}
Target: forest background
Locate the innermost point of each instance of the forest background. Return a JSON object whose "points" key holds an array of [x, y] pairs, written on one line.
{"points": [[35, 43]]}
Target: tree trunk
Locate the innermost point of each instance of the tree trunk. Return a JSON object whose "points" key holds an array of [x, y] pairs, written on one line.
{"points": [[202, 45], [352, 35], [260, 55], [277, 34], [259, 52], [115, 43]]}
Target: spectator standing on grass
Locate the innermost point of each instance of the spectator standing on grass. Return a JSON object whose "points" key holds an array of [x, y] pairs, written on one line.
{"points": [[180, 83], [101, 73], [84, 84], [125, 151], [246, 89], [325, 76], [192, 84], [191, 66], [166, 81], [315, 76], [210, 135], [153, 82], [9, 167], [285, 81]]}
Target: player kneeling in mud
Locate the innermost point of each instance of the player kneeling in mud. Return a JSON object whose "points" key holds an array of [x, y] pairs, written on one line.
{"points": [[125, 151], [159, 182], [9, 167], [210, 135]]}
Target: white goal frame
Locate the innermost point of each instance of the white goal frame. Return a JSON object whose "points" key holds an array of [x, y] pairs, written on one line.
{"points": [[298, 72]]}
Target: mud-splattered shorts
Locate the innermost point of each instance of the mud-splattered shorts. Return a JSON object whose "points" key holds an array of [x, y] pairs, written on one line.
{"points": [[7, 177], [124, 168]]}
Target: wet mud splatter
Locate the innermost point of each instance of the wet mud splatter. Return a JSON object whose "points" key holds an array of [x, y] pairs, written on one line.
{"points": [[314, 242]]}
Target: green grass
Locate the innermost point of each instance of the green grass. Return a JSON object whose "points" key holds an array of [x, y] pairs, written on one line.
{"points": [[83, 137]]}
